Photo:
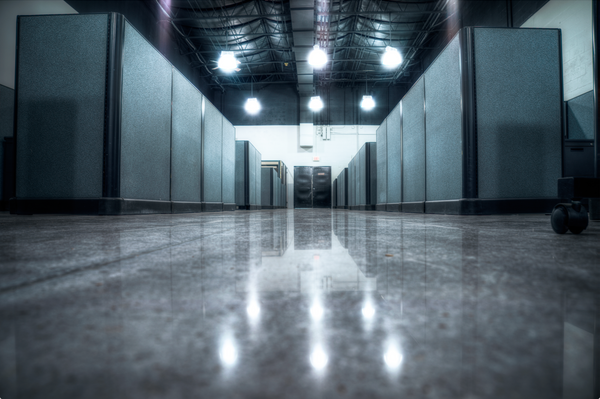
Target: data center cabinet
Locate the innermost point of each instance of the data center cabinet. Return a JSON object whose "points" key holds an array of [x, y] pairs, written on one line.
{"points": [[362, 179], [248, 176], [104, 124], [342, 190], [480, 132]]}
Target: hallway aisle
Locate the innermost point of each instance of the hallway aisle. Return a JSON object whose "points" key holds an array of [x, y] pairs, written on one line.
{"points": [[297, 304]]}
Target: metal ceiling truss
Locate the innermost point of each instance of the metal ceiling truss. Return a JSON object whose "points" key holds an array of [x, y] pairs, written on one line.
{"points": [[354, 33]]}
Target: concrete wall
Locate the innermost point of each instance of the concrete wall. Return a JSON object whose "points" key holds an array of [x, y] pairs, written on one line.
{"points": [[282, 143], [574, 18]]}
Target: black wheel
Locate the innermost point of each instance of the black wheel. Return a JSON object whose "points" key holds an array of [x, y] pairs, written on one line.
{"points": [[576, 229], [560, 219]]}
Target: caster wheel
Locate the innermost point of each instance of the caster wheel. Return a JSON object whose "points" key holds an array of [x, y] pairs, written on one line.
{"points": [[560, 219], [576, 230]]}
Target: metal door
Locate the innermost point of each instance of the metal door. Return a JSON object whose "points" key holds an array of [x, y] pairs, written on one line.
{"points": [[312, 187], [302, 187]]}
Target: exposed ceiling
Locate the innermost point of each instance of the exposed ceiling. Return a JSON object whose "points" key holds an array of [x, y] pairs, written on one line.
{"points": [[271, 38]]}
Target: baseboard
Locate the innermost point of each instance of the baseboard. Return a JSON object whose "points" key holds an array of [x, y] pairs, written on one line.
{"points": [[228, 207], [368, 207], [491, 206], [212, 207], [393, 207], [268, 207], [380, 207], [255, 207], [354, 207], [88, 206], [413, 207], [185, 207]]}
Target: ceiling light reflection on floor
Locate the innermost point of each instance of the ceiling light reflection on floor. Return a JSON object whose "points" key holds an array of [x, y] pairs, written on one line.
{"points": [[318, 359], [253, 310], [316, 311], [392, 358], [368, 311], [228, 354]]}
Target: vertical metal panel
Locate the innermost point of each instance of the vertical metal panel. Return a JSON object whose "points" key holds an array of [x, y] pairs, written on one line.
{"points": [[186, 140], [252, 177], [266, 186], [382, 163], [519, 104], [211, 153], [258, 167], [60, 104], [444, 152], [393, 157], [302, 187], [228, 160], [321, 187], [241, 160], [413, 143], [580, 117], [146, 120], [372, 174]]}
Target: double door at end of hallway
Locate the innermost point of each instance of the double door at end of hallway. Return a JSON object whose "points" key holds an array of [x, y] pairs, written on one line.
{"points": [[312, 187]]}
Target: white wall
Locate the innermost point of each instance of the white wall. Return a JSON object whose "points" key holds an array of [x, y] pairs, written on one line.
{"points": [[9, 9], [282, 143], [574, 18]]}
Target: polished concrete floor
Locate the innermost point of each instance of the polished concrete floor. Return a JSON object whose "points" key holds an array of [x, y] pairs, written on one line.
{"points": [[297, 304]]}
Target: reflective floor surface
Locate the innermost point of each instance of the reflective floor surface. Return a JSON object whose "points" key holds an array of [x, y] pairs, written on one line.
{"points": [[297, 304]]}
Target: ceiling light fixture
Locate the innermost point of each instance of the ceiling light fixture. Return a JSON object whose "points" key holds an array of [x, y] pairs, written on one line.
{"points": [[227, 62], [391, 58], [317, 58], [315, 103], [252, 105], [367, 103]]}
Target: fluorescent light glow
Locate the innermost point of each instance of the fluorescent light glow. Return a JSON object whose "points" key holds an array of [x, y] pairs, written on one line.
{"points": [[318, 359], [368, 312], [252, 106], [367, 103], [228, 354], [316, 311], [227, 62], [391, 58], [392, 358], [315, 103], [317, 58]]}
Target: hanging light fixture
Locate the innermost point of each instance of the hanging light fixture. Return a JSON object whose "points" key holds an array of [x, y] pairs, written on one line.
{"points": [[252, 105], [367, 102], [391, 57], [317, 58], [227, 62], [315, 104]]}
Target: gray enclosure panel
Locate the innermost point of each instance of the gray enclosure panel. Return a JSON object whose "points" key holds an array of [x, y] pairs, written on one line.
{"points": [[382, 163], [372, 183], [258, 167], [580, 117], [252, 175], [146, 120], [240, 176], [362, 175], [61, 72], [186, 140], [351, 182], [266, 193], [518, 112], [212, 162], [7, 102], [228, 162], [7, 109], [443, 124], [394, 157], [413, 143]]}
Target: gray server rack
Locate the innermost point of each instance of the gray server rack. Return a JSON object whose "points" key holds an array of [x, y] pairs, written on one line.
{"points": [[480, 132], [106, 125], [248, 178]]}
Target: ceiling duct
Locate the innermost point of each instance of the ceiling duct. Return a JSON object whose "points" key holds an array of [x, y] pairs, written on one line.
{"points": [[303, 31]]}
